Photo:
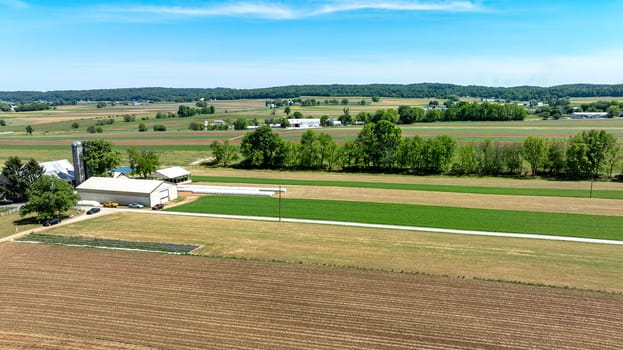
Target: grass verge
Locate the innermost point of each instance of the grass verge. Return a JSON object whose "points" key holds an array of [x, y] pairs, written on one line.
{"points": [[573, 225], [544, 192]]}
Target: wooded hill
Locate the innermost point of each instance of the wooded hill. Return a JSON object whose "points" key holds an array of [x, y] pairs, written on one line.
{"points": [[421, 90]]}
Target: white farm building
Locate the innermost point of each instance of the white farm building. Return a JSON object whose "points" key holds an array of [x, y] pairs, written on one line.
{"points": [[125, 191]]}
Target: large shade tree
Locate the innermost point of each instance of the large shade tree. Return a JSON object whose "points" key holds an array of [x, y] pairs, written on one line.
{"points": [[263, 149], [49, 196], [101, 157]]}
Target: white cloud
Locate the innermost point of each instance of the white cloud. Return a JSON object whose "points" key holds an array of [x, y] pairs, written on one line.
{"points": [[282, 11], [17, 4]]}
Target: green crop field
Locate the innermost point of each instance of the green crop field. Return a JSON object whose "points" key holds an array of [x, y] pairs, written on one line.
{"points": [[573, 225]]}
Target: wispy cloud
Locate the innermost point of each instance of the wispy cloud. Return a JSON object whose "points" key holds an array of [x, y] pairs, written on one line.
{"points": [[281, 11], [16, 4]]}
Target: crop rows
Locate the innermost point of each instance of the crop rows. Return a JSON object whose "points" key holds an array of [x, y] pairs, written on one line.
{"points": [[111, 299]]}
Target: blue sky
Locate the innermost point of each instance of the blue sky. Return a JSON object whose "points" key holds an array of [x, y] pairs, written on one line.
{"points": [[61, 45]]}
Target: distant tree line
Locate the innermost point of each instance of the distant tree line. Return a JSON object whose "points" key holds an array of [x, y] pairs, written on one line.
{"points": [[421, 90], [380, 147]]}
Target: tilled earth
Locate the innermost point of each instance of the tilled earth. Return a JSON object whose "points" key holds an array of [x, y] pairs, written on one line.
{"points": [[75, 298]]}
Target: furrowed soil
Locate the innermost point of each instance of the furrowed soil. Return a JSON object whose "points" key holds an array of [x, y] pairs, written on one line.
{"points": [[75, 298]]}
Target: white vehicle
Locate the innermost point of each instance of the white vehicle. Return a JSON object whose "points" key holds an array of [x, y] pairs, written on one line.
{"points": [[135, 205]]}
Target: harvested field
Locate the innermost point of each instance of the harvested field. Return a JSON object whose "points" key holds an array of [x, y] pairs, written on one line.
{"points": [[62, 297]]}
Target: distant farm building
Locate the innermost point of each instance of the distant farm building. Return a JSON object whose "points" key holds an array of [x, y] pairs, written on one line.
{"points": [[125, 191], [174, 174], [589, 115], [304, 123], [62, 169]]}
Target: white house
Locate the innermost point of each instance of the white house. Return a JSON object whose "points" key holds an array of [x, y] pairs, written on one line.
{"points": [[125, 191]]}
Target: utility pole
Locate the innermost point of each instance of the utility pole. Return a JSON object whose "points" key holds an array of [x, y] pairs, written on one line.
{"points": [[279, 203]]}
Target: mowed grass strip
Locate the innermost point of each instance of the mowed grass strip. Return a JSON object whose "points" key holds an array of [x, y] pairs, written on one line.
{"points": [[559, 224], [544, 192]]}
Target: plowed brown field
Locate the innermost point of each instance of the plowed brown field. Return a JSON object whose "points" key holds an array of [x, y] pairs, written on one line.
{"points": [[76, 298]]}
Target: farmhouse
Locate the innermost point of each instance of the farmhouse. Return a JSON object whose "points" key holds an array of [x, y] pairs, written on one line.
{"points": [[174, 174], [124, 191]]}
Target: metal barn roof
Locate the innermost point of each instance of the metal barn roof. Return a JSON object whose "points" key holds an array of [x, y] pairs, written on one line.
{"points": [[121, 184], [62, 169], [171, 173]]}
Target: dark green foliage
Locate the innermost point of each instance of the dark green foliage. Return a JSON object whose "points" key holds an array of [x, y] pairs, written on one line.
{"points": [[263, 149], [19, 177], [160, 127], [421, 90], [195, 126], [75, 125], [101, 104], [241, 124], [49, 196], [2, 122], [29, 129], [101, 157], [224, 153], [143, 162], [128, 118], [142, 127]]}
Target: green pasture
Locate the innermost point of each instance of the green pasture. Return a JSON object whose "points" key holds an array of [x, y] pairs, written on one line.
{"points": [[543, 192], [573, 225]]}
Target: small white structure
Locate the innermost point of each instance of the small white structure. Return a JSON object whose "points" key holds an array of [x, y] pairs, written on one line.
{"points": [[62, 169], [174, 174], [589, 115], [125, 191], [304, 123]]}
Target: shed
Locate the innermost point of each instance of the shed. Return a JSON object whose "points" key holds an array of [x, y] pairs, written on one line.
{"points": [[174, 174], [125, 191]]}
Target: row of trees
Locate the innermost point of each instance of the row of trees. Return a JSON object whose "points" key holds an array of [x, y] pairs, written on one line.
{"points": [[422, 90], [380, 146]]}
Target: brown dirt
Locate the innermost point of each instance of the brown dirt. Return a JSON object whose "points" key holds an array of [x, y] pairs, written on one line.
{"points": [[61, 297]]}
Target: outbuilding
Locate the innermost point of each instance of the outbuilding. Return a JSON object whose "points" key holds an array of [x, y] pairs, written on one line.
{"points": [[174, 174], [125, 191]]}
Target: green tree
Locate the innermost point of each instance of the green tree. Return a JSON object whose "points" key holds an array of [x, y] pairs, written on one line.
{"points": [[19, 177], [613, 111], [466, 160], [29, 129], [535, 152], [142, 127], [380, 142], [556, 152], [101, 157], [309, 151], [143, 162], [287, 111], [263, 149], [101, 104], [328, 151], [224, 153], [241, 124], [49, 196]]}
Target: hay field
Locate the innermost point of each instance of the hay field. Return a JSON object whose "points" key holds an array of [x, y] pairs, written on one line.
{"points": [[77, 298]]}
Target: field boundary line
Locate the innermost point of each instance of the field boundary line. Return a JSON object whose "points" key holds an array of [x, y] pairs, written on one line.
{"points": [[397, 227]]}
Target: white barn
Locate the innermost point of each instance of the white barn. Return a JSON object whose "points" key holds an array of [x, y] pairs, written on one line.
{"points": [[62, 169], [304, 123], [125, 191]]}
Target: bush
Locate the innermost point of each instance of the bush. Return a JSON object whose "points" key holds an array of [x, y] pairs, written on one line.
{"points": [[195, 126], [105, 121], [2, 122], [128, 118], [99, 130], [142, 127], [75, 125], [91, 129], [160, 127]]}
